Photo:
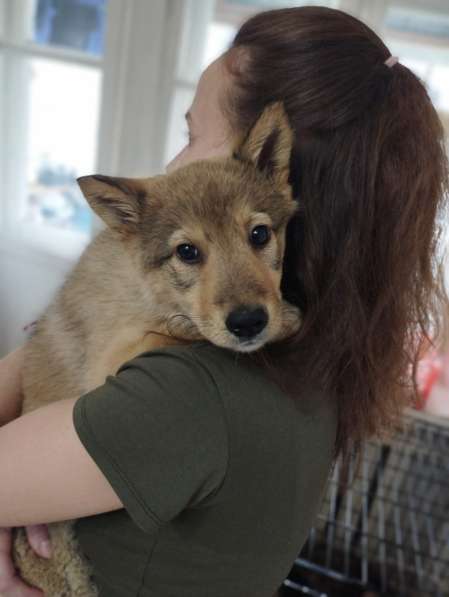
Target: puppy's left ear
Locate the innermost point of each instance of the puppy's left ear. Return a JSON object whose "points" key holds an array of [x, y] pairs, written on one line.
{"points": [[269, 143], [118, 201]]}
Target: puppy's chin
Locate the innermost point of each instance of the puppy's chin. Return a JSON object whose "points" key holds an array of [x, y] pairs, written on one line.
{"points": [[233, 343], [249, 346]]}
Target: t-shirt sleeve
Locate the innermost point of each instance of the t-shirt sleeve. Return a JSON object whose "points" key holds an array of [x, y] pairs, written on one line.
{"points": [[158, 433]]}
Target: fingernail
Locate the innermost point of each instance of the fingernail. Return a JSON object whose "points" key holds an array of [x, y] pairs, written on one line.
{"points": [[45, 549]]}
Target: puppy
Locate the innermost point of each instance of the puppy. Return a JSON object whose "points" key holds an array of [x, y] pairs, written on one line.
{"points": [[193, 255]]}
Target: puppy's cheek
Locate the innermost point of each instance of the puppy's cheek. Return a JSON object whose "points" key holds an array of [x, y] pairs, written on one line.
{"points": [[276, 280], [208, 317], [291, 318], [275, 319], [203, 302], [181, 282], [273, 296], [157, 285], [278, 256], [180, 279]]}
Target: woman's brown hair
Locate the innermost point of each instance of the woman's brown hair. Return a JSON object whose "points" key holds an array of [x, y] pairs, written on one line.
{"points": [[364, 256]]}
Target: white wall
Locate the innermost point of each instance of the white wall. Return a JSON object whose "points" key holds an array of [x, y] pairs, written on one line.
{"points": [[27, 285]]}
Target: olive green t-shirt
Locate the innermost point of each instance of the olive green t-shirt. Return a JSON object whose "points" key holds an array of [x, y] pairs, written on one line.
{"points": [[220, 473]]}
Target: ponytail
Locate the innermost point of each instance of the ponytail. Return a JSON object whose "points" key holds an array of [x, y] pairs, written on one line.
{"points": [[364, 258]]}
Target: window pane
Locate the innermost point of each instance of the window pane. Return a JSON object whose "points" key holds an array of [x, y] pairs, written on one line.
{"points": [[219, 38], [76, 24], [62, 142], [419, 21], [238, 11], [268, 4], [419, 67], [439, 86]]}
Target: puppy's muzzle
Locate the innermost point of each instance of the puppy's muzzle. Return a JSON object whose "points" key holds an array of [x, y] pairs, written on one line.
{"points": [[247, 321]]}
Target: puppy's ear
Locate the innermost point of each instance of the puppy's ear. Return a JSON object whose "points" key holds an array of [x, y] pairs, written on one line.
{"points": [[118, 201], [269, 143]]}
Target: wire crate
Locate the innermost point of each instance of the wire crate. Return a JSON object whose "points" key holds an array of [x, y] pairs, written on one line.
{"points": [[388, 533]]}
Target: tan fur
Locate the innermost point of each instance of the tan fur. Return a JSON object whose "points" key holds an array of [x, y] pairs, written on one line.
{"points": [[130, 293]]}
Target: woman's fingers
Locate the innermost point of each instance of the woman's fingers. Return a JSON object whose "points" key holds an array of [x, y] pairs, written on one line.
{"points": [[39, 539], [11, 585]]}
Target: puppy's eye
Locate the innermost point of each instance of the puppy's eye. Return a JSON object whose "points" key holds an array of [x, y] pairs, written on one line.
{"points": [[188, 253], [259, 236]]}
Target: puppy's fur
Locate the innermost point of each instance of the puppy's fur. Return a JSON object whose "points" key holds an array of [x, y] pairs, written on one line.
{"points": [[134, 290]]}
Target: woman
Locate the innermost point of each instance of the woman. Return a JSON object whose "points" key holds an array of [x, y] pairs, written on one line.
{"points": [[362, 262]]}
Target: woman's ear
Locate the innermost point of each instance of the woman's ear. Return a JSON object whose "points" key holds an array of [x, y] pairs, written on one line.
{"points": [[269, 143], [118, 201]]}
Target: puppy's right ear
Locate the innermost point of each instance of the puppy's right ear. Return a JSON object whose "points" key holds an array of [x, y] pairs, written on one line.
{"points": [[118, 201], [268, 144]]}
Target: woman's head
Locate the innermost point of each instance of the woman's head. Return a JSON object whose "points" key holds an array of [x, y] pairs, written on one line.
{"points": [[209, 131], [369, 170]]}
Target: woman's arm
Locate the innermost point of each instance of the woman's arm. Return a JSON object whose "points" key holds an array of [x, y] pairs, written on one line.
{"points": [[11, 385], [47, 474]]}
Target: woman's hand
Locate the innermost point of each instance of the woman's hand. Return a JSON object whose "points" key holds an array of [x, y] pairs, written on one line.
{"points": [[11, 585]]}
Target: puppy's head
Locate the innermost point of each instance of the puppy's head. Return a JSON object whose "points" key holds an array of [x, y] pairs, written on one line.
{"points": [[209, 237]]}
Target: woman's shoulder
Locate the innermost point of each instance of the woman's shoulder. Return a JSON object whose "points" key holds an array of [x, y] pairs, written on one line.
{"points": [[238, 374], [201, 354]]}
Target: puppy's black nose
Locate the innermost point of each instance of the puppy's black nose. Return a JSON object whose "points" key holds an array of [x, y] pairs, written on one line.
{"points": [[247, 321]]}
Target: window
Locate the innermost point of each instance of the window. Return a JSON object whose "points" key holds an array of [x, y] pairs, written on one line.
{"points": [[51, 50], [51, 133]]}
